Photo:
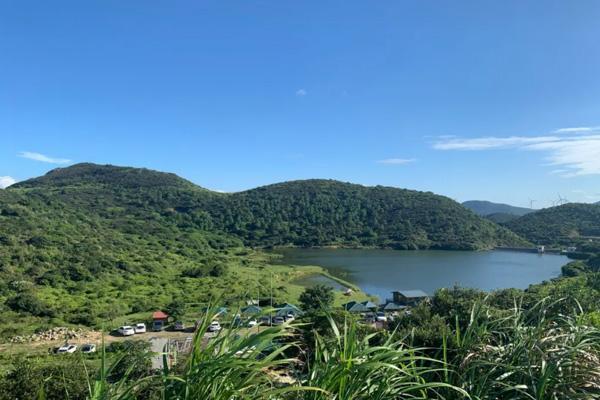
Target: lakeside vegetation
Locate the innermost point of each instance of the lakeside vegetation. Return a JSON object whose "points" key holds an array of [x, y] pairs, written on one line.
{"points": [[540, 343], [98, 246], [90, 244]]}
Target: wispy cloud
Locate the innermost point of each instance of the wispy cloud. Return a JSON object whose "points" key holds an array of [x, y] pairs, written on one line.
{"points": [[571, 155], [301, 92], [43, 158], [6, 181], [578, 129], [396, 161], [490, 142]]}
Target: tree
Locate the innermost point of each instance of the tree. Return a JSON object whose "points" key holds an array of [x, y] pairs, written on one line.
{"points": [[318, 297], [27, 302], [135, 360], [176, 309]]}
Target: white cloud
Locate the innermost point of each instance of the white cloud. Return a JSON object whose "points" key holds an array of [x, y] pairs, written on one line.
{"points": [[572, 155], [43, 158], [6, 181], [578, 129], [581, 156], [396, 161], [301, 92], [490, 142]]}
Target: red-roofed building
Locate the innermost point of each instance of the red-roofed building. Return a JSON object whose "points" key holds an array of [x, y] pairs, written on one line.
{"points": [[159, 320], [160, 316]]}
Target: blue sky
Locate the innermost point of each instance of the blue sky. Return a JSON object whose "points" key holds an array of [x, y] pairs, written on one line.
{"points": [[470, 99]]}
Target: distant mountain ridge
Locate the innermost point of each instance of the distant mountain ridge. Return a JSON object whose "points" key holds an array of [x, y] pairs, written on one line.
{"points": [[486, 208]]}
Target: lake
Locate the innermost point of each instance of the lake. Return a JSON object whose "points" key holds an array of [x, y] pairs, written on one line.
{"points": [[379, 272]]}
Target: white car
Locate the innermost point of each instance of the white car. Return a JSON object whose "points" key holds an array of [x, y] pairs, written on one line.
{"points": [[140, 328], [381, 317], [88, 348], [67, 348], [214, 326], [252, 323], [126, 330]]}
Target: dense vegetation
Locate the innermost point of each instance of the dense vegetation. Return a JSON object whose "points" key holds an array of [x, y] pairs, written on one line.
{"points": [[86, 251], [486, 208], [541, 343], [325, 212], [87, 244], [567, 224]]}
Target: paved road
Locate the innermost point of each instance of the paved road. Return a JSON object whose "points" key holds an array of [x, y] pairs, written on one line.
{"points": [[157, 346]]}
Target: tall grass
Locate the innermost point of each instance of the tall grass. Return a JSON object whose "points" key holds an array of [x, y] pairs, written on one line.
{"points": [[526, 355], [349, 367], [514, 354]]}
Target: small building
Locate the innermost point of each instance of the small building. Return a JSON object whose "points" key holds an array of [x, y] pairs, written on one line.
{"points": [[251, 310], [362, 307], [409, 297], [160, 316], [392, 307], [159, 320], [286, 309]]}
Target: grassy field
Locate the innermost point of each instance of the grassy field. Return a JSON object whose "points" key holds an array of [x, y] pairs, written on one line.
{"points": [[256, 280]]}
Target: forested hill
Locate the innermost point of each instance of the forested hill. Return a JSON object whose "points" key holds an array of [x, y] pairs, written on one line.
{"points": [[87, 243], [302, 213], [487, 208], [564, 224], [92, 174], [327, 212]]}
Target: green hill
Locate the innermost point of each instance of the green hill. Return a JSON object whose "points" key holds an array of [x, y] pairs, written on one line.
{"points": [[486, 208], [331, 213], [501, 218], [564, 224], [91, 243]]}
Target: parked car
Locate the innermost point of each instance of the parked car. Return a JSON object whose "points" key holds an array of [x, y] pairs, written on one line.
{"points": [[179, 326], [278, 320], [252, 323], [381, 317], [158, 326], [246, 351], [88, 348], [289, 317], [214, 326], [265, 320], [126, 330], [67, 348], [140, 328]]}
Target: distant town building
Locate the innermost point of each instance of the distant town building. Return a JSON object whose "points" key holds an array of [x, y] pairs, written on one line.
{"points": [[409, 297]]}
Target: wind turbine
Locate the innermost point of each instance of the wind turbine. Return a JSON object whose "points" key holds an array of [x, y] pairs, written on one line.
{"points": [[562, 200], [531, 201]]}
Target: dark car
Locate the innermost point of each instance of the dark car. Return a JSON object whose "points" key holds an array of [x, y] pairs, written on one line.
{"points": [[179, 326]]}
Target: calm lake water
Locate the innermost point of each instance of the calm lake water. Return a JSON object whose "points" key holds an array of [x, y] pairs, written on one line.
{"points": [[379, 272]]}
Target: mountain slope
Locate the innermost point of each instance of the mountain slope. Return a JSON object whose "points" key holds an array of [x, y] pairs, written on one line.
{"points": [[562, 224], [89, 243], [327, 212], [485, 208]]}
